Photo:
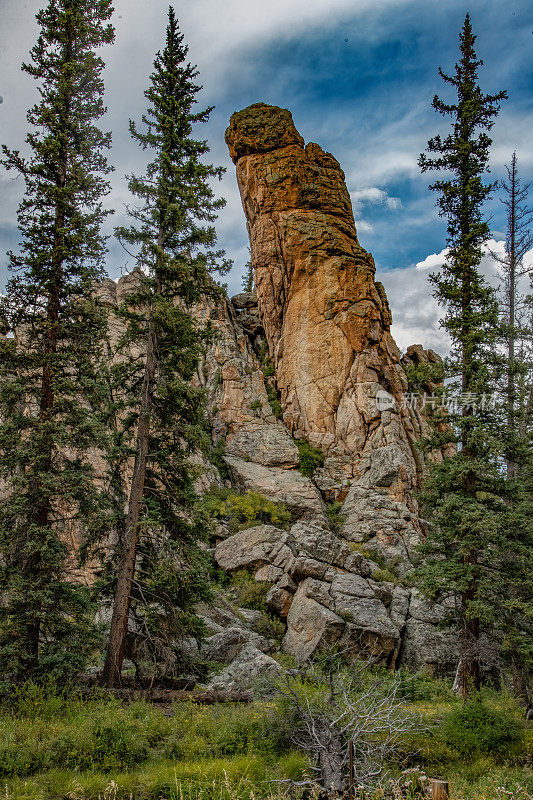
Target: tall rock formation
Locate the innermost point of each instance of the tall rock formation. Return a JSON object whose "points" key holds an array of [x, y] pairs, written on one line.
{"points": [[335, 579], [326, 319], [342, 387]]}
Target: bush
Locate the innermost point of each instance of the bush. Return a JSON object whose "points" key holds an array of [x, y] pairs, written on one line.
{"points": [[422, 376], [425, 688], [273, 399], [243, 509], [475, 729], [250, 593], [32, 699], [270, 627], [335, 515], [329, 703], [385, 576], [268, 368], [118, 745], [222, 730], [311, 458], [216, 457]]}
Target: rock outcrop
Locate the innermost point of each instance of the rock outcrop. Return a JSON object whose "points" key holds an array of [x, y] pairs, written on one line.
{"points": [[327, 322], [326, 319], [325, 584], [342, 387], [309, 355]]}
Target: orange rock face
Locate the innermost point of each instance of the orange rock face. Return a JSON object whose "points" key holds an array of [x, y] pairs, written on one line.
{"points": [[326, 320]]}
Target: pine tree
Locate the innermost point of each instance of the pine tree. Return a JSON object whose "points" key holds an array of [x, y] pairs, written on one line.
{"points": [[159, 571], [465, 492], [248, 277], [49, 389]]}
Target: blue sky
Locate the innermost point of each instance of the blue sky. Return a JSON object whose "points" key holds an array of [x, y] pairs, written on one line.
{"points": [[358, 77]]}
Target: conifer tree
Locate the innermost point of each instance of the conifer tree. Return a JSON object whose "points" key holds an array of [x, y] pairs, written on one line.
{"points": [[49, 388], [465, 491], [248, 277], [159, 569]]}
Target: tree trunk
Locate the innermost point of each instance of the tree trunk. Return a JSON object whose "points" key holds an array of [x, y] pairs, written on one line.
{"points": [[468, 675], [511, 465], [520, 688], [331, 758], [126, 568]]}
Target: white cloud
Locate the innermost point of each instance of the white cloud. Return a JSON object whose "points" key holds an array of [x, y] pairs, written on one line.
{"points": [[415, 313], [363, 226], [377, 137], [434, 260], [371, 195], [513, 134]]}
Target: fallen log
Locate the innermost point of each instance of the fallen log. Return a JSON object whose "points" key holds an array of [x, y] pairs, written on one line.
{"points": [[167, 696]]}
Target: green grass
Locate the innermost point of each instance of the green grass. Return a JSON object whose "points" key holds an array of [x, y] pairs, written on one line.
{"points": [[476, 750], [58, 747], [210, 778]]}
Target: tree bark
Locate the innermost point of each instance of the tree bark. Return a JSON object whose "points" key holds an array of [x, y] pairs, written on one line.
{"points": [[512, 467], [520, 687], [331, 757], [126, 568], [469, 671]]}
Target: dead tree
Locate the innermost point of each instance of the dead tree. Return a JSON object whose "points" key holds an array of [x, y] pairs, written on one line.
{"points": [[325, 713]]}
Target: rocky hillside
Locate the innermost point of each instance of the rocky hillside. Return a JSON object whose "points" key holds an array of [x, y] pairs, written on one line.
{"points": [[307, 397]]}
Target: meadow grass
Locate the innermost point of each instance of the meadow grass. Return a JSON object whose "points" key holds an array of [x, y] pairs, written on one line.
{"points": [[56, 746]]}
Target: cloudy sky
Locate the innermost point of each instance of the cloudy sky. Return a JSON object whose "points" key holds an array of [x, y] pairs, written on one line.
{"points": [[358, 76]]}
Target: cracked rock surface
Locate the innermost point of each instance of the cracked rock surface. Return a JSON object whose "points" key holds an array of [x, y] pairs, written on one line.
{"points": [[334, 378]]}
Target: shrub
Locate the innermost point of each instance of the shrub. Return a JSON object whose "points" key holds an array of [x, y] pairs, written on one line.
{"points": [[475, 729], [216, 457], [222, 730], [385, 575], [335, 515], [268, 368], [425, 688], [243, 509], [359, 547], [311, 458], [46, 700], [273, 399], [424, 375], [118, 745], [270, 627], [250, 593], [330, 703]]}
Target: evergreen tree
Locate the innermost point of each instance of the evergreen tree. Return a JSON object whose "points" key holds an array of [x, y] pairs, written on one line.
{"points": [[49, 389], [159, 571], [465, 491], [248, 277]]}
